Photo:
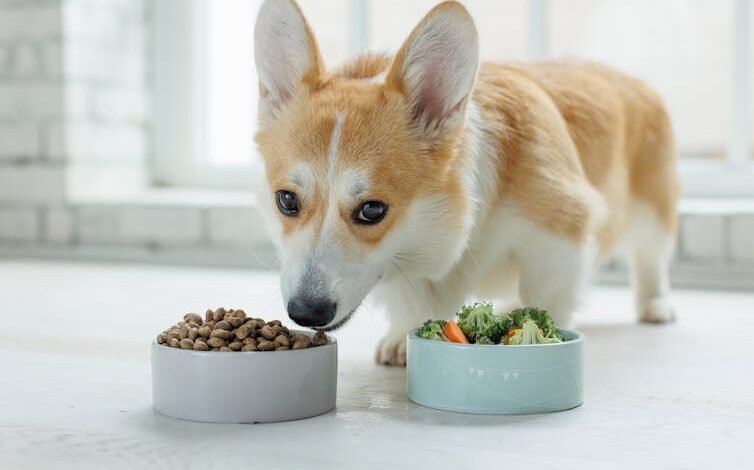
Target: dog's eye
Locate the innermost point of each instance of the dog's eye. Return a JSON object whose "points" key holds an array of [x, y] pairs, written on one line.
{"points": [[370, 212], [287, 203]]}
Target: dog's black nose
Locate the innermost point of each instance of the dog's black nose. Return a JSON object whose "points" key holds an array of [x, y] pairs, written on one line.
{"points": [[307, 311]]}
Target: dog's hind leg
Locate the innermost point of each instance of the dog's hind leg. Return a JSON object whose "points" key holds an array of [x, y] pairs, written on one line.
{"points": [[652, 221], [649, 247]]}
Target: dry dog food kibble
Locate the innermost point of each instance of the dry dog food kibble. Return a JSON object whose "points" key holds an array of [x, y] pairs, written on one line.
{"points": [[232, 330]]}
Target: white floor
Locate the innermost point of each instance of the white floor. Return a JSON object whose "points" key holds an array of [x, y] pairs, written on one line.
{"points": [[75, 385]]}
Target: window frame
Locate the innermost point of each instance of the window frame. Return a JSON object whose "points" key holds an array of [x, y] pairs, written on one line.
{"points": [[179, 36]]}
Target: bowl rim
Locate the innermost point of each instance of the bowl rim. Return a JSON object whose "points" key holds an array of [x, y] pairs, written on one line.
{"points": [[331, 343], [579, 338]]}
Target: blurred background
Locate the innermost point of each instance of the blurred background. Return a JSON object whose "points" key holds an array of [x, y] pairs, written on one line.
{"points": [[126, 125]]}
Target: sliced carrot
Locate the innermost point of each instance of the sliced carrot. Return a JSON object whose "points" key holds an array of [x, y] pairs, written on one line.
{"points": [[453, 332]]}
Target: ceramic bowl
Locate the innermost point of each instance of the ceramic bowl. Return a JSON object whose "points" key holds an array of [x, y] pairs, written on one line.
{"points": [[244, 387], [496, 379]]}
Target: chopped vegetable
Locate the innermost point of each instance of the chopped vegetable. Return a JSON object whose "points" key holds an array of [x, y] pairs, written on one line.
{"points": [[497, 327], [432, 329], [540, 317], [454, 333], [479, 324], [529, 333], [479, 320], [472, 319]]}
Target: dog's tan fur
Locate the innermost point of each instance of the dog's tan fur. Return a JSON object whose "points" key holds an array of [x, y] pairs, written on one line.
{"points": [[568, 128]]}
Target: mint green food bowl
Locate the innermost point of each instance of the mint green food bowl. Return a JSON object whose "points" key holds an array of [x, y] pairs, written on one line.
{"points": [[496, 379]]}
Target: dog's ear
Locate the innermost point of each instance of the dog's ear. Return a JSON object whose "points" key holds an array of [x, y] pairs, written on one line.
{"points": [[436, 67], [285, 53]]}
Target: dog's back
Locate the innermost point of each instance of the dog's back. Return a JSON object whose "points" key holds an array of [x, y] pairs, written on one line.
{"points": [[559, 125], [618, 125]]}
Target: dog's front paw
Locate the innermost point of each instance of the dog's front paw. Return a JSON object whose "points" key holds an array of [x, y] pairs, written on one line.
{"points": [[657, 310], [392, 350]]}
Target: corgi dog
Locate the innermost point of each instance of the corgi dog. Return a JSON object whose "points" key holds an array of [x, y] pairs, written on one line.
{"points": [[427, 178]]}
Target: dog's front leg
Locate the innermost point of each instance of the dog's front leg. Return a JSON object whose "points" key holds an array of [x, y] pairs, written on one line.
{"points": [[408, 304]]}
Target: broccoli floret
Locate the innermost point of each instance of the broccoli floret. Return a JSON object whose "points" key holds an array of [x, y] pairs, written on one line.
{"points": [[472, 319], [522, 326], [496, 328], [432, 329], [519, 316], [540, 317], [544, 321], [529, 333], [479, 320]]}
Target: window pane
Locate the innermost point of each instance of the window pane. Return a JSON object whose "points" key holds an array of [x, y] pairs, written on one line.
{"points": [[503, 28], [329, 19], [230, 81], [391, 21], [683, 49], [751, 76], [230, 86], [230, 91], [502, 25]]}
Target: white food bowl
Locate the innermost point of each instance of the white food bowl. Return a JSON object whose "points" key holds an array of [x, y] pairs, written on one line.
{"points": [[244, 387]]}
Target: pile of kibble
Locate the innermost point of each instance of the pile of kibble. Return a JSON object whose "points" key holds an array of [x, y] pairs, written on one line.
{"points": [[233, 330]]}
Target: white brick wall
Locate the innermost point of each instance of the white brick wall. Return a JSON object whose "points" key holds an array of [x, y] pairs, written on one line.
{"points": [[58, 224], [172, 226], [236, 227], [106, 184], [78, 105], [27, 60], [29, 21], [99, 142], [703, 237], [119, 105], [31, 184], [87, 21], [26, 101], [52, 59], [18, 141], [742, 238], [5, 57], [98, 224], [18, 224], [90, 63], [134, 225], [20, 60]]}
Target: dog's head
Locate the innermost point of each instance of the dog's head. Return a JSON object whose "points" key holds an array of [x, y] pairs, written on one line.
{"points": [[362, 179]]}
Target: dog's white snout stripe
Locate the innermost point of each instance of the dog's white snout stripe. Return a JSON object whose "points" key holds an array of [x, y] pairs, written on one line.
{"points": [[332, 150]]}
